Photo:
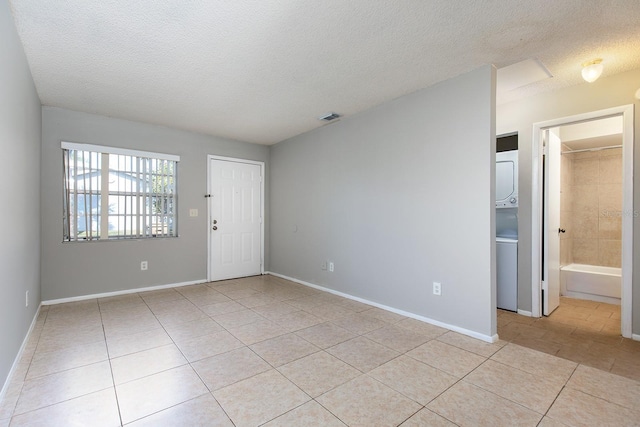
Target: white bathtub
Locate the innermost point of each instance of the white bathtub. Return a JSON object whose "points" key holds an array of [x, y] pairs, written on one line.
{"points": [[591, 282]]}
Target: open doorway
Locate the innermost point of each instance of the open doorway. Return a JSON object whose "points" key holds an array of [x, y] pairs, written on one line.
{"points": [[582, 208]]}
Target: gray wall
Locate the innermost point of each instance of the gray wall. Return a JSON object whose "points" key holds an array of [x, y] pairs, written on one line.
{"points": [[397, 197], [520, 116], [84, 268], [20, 176]]}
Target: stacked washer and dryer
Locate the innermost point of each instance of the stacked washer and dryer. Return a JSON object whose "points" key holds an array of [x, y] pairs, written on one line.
{"points": [[507, 229]]}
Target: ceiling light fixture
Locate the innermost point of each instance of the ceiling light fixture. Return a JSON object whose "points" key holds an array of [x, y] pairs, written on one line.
{"points": [[591, 70]]}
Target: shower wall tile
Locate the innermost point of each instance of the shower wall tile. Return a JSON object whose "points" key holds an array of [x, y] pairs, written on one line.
{"points": [[590, 207], [609, 228], [585, 251], [610, 253], [610, 170], [610, 198], [611, 152], [585, 198], [585, 171], [585, 225]]}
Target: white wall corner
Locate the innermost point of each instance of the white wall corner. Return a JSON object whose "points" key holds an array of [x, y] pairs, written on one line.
{"points": [[467, 332], [16, 361], [123, 292]]}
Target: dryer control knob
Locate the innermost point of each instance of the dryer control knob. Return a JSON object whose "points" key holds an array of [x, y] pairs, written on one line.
{"points": [[513, 200]]}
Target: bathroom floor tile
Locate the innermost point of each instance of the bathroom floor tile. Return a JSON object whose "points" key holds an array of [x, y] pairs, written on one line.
{"points": [[360, 324], [362, 353], [147, 362], [468, 405], [318, 373], [425, 329], [284, 349], [50, 389], [535, 362], [44, 363], [367, 402], [574, 408], [182, 331], [311, 414], [237, 318], [133, 343], [259, 399], [532, 391], [297, 320], [471, 344], [607, 386], [325, 334], [227, 368], [220, 308], [208, 345], [447, 358], [202, 411], [260, 330], [94, 409], [143, 397], [397, 338], [425, 417], [416, 380]]}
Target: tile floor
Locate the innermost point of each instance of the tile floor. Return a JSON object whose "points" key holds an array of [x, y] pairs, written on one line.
{"points": [[585, 332], [264, 351]]}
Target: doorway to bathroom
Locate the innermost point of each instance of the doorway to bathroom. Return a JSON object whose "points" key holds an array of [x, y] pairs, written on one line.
{"points": [[582, 211]]}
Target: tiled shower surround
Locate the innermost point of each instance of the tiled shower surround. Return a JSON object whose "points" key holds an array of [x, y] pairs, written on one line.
{"points": [[591, 208]]}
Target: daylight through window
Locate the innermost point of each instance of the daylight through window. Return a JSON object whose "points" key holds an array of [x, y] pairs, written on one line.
{"points": [[112, 193]]}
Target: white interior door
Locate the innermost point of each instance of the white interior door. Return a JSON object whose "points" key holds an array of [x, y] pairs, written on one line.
{"points": [[551, 282], [235, 221]]}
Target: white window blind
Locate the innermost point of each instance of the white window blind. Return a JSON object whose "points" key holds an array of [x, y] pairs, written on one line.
{"points": [[114, 193]]}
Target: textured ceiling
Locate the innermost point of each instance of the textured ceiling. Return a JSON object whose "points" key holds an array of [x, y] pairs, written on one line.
{"points": [[263, 70]]}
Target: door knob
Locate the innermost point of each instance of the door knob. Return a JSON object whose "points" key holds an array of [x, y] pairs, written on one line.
{"points": [[561, 230]]}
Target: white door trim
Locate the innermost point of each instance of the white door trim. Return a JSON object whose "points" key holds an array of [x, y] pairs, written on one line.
{"points": [[262, 196], [627, 112]]}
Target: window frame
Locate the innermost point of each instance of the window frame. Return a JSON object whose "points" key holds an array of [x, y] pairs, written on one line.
{"points": [[140, 196]]}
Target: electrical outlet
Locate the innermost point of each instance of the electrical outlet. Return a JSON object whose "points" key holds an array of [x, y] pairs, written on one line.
{"points": [[144, 265], [26, 299], [193, 212], [437, 288], [324, 265], [331, 266]]}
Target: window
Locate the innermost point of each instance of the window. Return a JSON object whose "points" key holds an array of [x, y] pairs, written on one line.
{"points": [[113, 193]]}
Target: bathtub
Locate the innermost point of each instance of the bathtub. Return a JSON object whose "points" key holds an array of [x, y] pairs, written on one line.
{"points": [[591, 282]]}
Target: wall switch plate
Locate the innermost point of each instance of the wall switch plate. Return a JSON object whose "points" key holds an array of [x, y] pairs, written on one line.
{"points": [[144, 265], [324, 265], [331, 267], [193, 212], [437, 288], [26, 299]]}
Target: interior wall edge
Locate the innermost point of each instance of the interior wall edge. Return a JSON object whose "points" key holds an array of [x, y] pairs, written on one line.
{"points": [[464, 331]]}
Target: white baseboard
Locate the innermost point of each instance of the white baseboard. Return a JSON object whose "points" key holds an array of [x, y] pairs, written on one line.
{"points": [[473, 334], [635, 337], [123, 292], [524, 313], [12, 371]]}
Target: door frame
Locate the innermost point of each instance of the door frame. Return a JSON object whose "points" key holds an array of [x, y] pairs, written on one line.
{"points": [[211, 157], [627, 114]]}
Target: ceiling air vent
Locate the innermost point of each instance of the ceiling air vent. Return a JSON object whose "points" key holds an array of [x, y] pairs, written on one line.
{"points": [[329, 117]]}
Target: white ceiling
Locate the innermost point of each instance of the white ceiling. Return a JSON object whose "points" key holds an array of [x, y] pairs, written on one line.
{"points": [[263, 70]]}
